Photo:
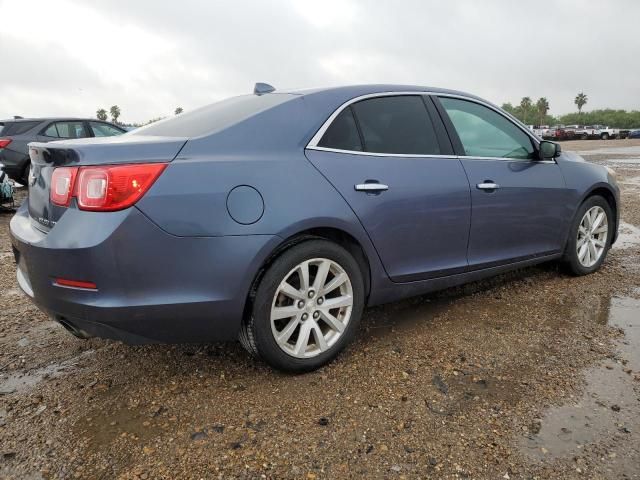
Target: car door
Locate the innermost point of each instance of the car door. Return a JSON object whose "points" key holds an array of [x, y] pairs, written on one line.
{"points": [[520, 204], [390, 159]]}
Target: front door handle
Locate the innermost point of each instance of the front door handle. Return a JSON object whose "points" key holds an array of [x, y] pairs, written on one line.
{"points": [[371, 187], [488, 185]]}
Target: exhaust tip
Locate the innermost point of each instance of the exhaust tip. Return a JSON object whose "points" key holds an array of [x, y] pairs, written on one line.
{"points": [[76, 332]]}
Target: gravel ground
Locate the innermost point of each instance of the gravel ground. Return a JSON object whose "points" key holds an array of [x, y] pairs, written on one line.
{"points": [[533, 374]]}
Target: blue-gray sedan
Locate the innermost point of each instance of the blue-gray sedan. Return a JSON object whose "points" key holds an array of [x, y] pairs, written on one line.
{"points": [[277, 217]]}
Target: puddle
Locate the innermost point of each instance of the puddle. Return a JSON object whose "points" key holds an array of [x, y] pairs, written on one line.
{"points": [[628, 236], [609, 407], [19, 382]]}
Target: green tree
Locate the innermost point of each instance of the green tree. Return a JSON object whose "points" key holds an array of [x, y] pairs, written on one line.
{"points": [[115, 113], [542, 106], [101, 114], [581, 100], [525, 105], [179, 110]]}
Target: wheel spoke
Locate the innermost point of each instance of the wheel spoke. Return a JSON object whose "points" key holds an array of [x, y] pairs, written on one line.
{"points": [[319, 338], [284, 312], [599, 217], [592, 253], [582, 230], [338, 302], [291, 292], [332, 321], [321, 276], [583, 252], [599, 243], [303, 338], [303, 273], [286, 333], [601, 229], [581, 241], [333, 284]]}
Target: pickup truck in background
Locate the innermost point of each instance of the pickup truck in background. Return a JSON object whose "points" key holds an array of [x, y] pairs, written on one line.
{"points": [[601, 132]]}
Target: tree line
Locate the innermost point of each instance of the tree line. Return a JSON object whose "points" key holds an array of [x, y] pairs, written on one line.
{"points": [[537, 113], [114, 111]]}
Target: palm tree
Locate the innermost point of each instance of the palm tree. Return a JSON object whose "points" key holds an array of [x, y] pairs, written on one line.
{"points": [[525, 105], [542, 105], [581, 101], [115, 113], [179, 111], [101, 114]]}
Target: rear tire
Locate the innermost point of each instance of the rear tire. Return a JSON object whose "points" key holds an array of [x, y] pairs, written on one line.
{"points": [[604, 136], [307, 307], [590, 236]]}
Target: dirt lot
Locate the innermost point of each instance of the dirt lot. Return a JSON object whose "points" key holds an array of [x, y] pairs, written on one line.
{"points": [[533, 374]]}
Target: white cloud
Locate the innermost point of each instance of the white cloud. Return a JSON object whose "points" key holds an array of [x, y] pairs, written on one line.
{"points": [[70, 57]]}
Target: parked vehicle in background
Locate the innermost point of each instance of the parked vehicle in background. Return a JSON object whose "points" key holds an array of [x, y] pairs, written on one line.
{"points": [[634, 134], [558, 133], [601, 132], [18, 132], [538, 129], [276, 218]]}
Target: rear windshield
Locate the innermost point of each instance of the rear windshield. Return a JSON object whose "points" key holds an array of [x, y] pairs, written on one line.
{"points": [[214, 117], [17, 128]]}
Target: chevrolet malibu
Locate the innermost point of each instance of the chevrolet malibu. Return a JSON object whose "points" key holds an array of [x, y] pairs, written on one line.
{"points": [[276, 217]]}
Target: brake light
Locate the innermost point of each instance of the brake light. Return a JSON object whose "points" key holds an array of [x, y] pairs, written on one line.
{"points": [[4, 142], [62, 183], [115, 187]]}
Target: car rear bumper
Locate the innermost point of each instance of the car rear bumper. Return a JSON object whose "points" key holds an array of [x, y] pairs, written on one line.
{"points": [[150, 286]]}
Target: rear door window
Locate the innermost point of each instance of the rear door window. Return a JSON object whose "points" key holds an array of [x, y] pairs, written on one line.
{"points": [[342, 134], [485, 133], [397, 125], [71, 129], [104, 129]]}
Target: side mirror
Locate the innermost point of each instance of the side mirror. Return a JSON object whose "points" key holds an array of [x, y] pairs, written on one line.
{"points": [[549, 150]]}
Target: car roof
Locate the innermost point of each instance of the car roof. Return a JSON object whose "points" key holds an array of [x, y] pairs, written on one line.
{"points": [[367, 89], [49, 119]]}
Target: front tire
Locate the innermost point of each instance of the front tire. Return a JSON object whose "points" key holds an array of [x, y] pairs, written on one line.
{"points": [[590, 236], [307, 307]]}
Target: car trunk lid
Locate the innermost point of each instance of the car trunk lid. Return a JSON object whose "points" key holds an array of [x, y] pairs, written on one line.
{"points": [[125, 149]]}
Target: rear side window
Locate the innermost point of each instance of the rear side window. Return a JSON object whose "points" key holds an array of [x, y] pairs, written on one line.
{"points": [[215, 117], [104, 129], [342, 134], [485, 133], [399, 125], [17, 128], [66, 130]]}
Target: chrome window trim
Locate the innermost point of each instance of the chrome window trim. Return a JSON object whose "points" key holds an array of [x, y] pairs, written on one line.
{"points": [[313, 143], [377, 154], [402, 155]]}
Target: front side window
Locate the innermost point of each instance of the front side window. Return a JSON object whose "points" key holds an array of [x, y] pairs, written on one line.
{"points": [[104, 130], [485, 133]]}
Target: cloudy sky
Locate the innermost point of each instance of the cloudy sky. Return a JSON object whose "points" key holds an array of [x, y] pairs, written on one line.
{"points": [[70, 57]]}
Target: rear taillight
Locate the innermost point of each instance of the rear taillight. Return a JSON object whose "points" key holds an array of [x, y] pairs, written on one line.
{"points": [[108, 188], [62, 181], [4, 142]]}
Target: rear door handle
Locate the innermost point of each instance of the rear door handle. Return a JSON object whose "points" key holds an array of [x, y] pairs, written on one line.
{"points": [[371, 187], [488, 185]]}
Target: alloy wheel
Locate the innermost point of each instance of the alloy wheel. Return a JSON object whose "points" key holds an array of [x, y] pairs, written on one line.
{"points": [[311, 308], [592, 236]]}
